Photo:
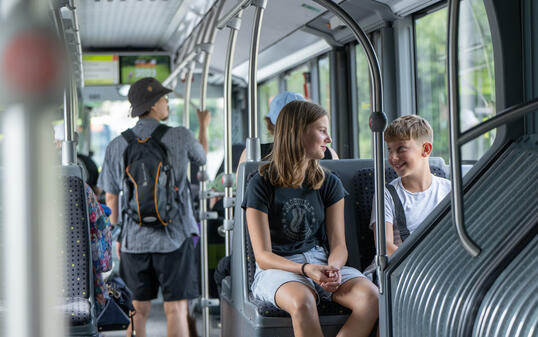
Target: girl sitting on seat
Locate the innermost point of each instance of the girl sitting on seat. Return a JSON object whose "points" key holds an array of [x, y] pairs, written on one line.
{"points": [[295, 216]]}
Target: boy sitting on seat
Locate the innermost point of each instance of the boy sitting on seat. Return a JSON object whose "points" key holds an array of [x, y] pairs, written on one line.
{"points": [[410, 143]]}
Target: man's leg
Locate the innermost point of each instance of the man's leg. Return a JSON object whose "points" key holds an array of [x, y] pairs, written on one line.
{"points": [[176, 318], [142, 313]]}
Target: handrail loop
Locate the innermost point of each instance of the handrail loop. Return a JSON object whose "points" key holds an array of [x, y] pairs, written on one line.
{"points": [[455, 154]]}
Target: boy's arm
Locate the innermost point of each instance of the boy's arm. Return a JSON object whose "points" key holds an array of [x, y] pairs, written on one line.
{"points": [[389, 238]]}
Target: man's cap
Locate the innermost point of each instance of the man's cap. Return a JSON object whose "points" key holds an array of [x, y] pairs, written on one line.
{"points": [[144, 93], [279, 101]]}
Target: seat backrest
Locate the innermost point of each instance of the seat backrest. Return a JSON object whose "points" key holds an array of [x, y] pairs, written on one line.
{"points": [[343, 169], [363, 183], [76, 251]]}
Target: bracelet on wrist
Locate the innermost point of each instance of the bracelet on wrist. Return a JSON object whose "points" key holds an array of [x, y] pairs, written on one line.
{"points": [[302, 269]]}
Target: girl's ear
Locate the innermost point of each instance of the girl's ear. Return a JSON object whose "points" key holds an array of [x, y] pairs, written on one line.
{"points": [[427, 148]]}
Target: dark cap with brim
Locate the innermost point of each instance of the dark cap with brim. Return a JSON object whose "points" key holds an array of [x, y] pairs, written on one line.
{"points": [[144, 93]]}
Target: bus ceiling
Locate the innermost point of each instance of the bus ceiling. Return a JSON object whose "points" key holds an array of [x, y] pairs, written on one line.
{"points": [[304, 28]]}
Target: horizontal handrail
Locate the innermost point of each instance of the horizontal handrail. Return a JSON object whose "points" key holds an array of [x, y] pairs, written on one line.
{"points": [[180, 67], [504, 117]]}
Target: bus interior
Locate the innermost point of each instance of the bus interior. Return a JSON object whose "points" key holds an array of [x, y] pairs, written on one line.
{"points": [[469, 67]]}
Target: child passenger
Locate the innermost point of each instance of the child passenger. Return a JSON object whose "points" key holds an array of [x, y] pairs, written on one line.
{"points": [[295, 216], [409, 141]]}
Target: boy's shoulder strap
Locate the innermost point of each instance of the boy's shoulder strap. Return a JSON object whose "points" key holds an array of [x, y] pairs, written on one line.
{"points": [[129, 136], [159, 132], [400, 214]]}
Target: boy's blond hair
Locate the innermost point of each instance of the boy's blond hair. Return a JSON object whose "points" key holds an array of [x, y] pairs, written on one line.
{"points": [[409, 127]]}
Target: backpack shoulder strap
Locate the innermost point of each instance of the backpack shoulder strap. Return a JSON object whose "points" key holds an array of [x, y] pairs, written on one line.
{"points": [[129, 136], [400, 214], [159, 132]]}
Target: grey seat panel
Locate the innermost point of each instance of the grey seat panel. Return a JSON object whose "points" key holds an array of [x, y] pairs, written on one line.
{"points": [[77, 253], [78, 285]]}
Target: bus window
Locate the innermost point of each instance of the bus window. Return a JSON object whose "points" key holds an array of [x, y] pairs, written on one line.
{"points": [[363, 102], [295, 80], [324, 83], [266, 92], [476, 76]]}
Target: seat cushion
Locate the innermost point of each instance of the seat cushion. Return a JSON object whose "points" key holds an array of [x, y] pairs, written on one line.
{"points": [[77, 310], [325, 308]]}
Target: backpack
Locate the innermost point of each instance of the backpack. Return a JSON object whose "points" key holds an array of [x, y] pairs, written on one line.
{"points": [[149, 190]]}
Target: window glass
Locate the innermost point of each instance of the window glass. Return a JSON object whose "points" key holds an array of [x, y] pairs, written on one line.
{"points": [[476, 76], [324, 83], [363, 102], [266, 92], [295, 80]]}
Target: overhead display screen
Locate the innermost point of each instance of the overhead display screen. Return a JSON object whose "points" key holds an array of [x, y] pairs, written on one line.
{"points": [[133, 68], [101, 69]]}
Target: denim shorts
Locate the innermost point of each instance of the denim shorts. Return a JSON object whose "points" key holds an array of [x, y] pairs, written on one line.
{"points": [[268, 281]]}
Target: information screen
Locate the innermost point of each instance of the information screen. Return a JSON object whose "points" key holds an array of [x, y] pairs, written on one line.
{"points": [[133, 68], [101, 69]]}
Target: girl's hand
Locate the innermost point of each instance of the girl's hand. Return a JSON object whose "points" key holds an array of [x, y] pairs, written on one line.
{"points": [[320, 274], [332, 286]]}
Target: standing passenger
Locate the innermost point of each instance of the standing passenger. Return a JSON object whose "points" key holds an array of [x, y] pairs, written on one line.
{"points": [[295, 217], [154, 256]]}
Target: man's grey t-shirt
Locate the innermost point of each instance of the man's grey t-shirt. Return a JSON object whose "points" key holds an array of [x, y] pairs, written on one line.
{"points": [[182, 147]]}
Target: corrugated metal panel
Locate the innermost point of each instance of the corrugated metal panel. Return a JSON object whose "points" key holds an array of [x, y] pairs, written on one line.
{"points": [[434, 290], [510, 308]]}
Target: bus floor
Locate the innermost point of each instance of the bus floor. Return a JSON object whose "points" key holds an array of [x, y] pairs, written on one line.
{"points": [[156, 325]]}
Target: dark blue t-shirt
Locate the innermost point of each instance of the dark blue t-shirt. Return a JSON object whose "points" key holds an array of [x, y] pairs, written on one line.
{"points": [[296, 215]]}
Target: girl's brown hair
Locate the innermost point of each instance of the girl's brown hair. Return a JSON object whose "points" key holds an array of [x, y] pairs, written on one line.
{"points": [[288, 158]]}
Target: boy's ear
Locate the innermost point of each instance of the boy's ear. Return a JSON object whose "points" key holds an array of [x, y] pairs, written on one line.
{"points": [[427, 148]]}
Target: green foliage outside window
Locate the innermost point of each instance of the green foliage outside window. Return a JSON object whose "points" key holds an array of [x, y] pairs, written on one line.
{"points": [[363, 102], [266, 92], [476, 76]]}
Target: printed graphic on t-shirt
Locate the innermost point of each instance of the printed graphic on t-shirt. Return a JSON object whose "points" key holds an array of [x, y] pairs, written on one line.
{"points": [[298, 219]]}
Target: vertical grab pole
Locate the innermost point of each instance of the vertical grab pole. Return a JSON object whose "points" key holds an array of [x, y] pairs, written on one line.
{"points": [[253, 142], [454, 129], [378, 122], [206, 48], [31, 269], [69, 150], [234, 26]]}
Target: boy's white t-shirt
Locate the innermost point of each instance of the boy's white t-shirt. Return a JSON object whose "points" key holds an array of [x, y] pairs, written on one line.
{"points": [[417, 206]]}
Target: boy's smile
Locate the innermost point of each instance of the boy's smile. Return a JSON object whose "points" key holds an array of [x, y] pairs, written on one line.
{"points": [[406, 156]]}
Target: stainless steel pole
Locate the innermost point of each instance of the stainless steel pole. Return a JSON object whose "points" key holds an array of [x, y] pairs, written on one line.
{"points": [[253, 142], [454, 129], [208, 38], [31, 270], [378, 122], [234, 26]]}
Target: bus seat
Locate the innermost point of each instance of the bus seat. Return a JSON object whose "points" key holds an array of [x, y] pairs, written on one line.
{"points": [[241, 313], [363, 183], [78, 291]]}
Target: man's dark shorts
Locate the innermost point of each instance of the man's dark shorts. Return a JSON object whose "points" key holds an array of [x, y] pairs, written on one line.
{"points": [[177, 273]]}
